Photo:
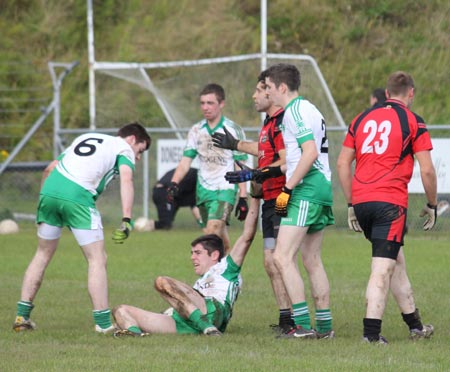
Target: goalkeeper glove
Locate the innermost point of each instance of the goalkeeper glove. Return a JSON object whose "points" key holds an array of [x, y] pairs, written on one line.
{"points": [[172, 192], [123, 231], [282, 202], [241, 209], [244, 175], [352, 221], [267, 172], [431, 212], [239, 176], [225, 141]]}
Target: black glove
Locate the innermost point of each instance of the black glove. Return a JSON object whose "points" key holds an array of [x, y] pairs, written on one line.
{"points": [[265, 173], [225, 141], [239, 176], [241, 209], [244, 175], [282, 202], [172, 192]]}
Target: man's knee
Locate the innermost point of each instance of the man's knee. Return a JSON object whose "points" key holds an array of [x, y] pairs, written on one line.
{"points": [[279, 261], [269, 264], [162, 284], [215, 226], [119, 311]]}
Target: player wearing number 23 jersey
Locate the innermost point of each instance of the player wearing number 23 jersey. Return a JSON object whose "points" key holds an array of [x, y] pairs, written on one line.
{"points": [[385, 140]]}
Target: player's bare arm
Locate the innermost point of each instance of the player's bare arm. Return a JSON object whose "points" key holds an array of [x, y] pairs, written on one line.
{"points": [[182, 169], [126, 190], [242, 245], [249, 147], [344, 168], [428, 175]]}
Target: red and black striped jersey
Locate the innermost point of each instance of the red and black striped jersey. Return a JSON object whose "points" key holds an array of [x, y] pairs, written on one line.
{"points": [[269, 145], [385, 140]]}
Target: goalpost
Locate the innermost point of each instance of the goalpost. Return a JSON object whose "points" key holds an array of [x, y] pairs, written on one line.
{"points": [[119, 91]]}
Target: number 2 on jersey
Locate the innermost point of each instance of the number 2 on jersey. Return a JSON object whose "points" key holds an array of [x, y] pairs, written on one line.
{"points": [[373, 144]]}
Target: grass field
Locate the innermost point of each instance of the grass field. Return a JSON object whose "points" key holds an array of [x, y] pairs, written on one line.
{"points": [[65, 340]]}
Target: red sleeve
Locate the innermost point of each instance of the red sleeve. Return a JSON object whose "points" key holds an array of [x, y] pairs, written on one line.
{"points": [[422, 140]]}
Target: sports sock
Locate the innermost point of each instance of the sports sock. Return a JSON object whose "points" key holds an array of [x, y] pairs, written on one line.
{"points": [[102, 318], [372, 329], [285, 318], [24, 309], [413, 320], [135, 329], [323, 321], [199, 321], [301, 315]]}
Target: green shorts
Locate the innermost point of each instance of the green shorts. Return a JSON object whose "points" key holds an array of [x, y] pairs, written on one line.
{"points": [[307, 214], [60, 213], [216, 210], [217, 314]]}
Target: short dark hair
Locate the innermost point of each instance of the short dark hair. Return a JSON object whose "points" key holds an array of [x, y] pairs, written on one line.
{"points": [[262, 77], [214, 89], [210, 242], [285, 73], [137, 130], [399, 83], [379, 94]]}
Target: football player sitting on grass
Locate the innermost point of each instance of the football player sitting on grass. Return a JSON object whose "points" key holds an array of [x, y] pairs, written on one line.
{"points": [[204, 308]]}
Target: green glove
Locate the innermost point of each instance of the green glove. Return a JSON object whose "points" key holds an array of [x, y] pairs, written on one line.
{"points": [[123, 232]]}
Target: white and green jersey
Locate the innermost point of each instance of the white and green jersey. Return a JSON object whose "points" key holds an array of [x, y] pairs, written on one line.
{"points": [[214, 162], [303, 122], [223, 282], [87, 166]]}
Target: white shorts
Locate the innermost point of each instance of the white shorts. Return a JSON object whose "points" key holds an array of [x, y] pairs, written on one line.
{"points": [[83, 237]]}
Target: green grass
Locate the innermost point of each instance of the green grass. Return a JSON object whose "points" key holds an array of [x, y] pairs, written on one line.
{"points": [[65, 339]]}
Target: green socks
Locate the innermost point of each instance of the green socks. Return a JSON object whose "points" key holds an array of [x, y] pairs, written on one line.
{"points": [[301, 315], [198, 319], [102, 318], [24, 309], [135, 329], [323, 321]]}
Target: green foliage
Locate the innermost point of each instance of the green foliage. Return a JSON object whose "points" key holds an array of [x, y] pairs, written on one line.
{"points": [[357, 44], [65, 338]]}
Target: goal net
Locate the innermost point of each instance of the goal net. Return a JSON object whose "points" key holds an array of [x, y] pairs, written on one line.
{"points": [[174, 87], [164, 96]]}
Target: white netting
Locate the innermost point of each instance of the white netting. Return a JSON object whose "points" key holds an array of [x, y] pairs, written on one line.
{"points": [[138, 88]]}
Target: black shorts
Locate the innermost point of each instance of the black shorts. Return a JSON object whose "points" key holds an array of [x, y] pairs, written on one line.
{"points": [[270, 220], [384, 225]]}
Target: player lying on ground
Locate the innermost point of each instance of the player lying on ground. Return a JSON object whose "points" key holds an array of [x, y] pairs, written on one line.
{"points": [[207, 306]]}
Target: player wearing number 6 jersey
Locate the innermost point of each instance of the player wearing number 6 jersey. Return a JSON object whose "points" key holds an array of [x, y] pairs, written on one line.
{"points": [[383, 142], [71, 185], [304, 202]]}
